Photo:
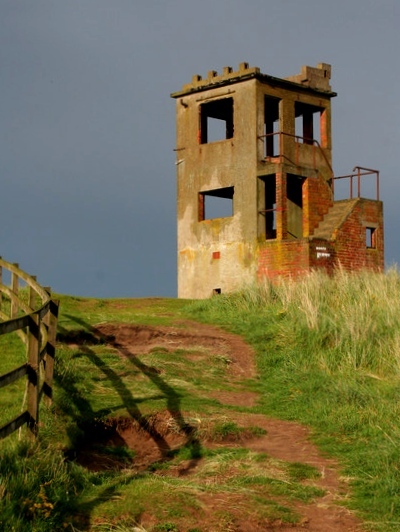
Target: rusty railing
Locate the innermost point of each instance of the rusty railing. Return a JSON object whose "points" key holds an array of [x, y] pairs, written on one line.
{"points": [[316, 148], [359, 172]]}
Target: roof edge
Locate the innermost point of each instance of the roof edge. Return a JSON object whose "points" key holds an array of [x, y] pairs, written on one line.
{"points": [[314, 79]]}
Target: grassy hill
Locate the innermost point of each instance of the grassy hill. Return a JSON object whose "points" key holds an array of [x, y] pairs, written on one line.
{"points": [[160, 421]]}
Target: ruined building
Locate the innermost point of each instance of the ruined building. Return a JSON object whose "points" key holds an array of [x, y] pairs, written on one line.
{"points": [[256, 185]]}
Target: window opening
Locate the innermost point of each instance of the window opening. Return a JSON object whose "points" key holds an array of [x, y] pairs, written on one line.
{"points": [[307, 123], [216, 120], [268, 206], [216, 203], [294, 194], [216, 291], [271, 126], [370, 237]]}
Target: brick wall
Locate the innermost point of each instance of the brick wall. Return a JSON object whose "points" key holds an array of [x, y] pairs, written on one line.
{"points": [[322, 255], [283, 258], [317, 200], [350, 245], [349, 250]]}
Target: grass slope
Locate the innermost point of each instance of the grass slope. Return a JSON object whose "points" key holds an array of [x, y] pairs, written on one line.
{"points": [[328, 356]]}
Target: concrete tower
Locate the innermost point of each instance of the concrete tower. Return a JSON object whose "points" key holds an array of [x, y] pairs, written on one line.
{"points": [[256, 185]]}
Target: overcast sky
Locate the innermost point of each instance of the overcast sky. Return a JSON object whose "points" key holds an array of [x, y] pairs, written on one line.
{"points": [[87, 127]]}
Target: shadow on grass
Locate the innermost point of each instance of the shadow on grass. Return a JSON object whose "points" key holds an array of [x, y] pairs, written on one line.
{"points": [[89, 421]]}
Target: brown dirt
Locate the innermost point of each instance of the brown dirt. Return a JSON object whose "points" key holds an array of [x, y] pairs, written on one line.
{"points": [[141, 339], [153, 439]]}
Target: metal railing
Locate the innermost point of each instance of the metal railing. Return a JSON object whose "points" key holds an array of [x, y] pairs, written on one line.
{"points": [[299, 141], [28, 309], [359, 172]]}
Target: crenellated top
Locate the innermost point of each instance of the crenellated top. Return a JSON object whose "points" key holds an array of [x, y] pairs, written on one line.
{"points": [[314, 77], [310, 78], [227, 74]]}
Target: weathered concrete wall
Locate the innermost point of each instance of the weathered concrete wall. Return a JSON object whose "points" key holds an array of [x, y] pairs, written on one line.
{"points": [[280, 189], [211, 166]]}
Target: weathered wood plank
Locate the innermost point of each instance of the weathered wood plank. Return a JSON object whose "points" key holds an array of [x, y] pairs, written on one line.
{"points": [[25, 277], [38, 330], [33, 372], [14, 288], [14, 324], [14, 425], [1, 282], [51, 349], [13, 375]]}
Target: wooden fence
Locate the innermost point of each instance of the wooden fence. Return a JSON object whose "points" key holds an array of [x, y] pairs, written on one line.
{"points": [[28, 309]]}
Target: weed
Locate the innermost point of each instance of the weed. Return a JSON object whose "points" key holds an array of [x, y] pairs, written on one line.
{"points": [[166, 527], [39, 490], [226, 430], [298, 471], [256, 431], [119, 452]]}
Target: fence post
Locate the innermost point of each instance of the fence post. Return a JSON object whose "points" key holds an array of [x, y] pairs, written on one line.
{"points": [[14, 288], [50, 351], [32, 295], [1, 282], [33, 373]]}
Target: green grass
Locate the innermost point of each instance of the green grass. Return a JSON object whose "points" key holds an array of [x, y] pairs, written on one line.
{"points": [[328, 354], [13, 355], [37, 486], [81, 313]]}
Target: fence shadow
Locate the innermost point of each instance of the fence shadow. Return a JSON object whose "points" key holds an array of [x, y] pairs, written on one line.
{"points": [[85, 417]]}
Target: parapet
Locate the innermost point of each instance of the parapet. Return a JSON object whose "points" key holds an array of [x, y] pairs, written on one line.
{"points": [[213, 78], [315, 78]]}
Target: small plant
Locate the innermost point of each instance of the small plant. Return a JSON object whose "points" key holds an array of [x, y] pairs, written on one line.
{"points": [[39, 489], [166, 527], [257, 431], [226, 430], [119, 452], [299, 472]]}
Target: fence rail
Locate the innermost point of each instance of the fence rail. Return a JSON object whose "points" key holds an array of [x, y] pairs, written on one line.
{"points": [[28, 309]]}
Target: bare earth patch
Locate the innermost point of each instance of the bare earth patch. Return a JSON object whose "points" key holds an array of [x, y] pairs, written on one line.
{"points": [[141, 339], [153, 439]]}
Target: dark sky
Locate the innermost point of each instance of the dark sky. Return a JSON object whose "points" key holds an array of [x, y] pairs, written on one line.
{"points": [[87, 127]]}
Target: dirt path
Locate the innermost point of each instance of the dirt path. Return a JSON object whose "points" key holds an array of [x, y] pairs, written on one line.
{"points": [[283, 440]]}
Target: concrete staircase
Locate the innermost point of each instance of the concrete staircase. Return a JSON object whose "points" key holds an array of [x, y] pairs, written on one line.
{"points": [[334, 218]]}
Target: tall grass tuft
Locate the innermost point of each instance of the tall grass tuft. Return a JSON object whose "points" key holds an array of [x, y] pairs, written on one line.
{"points": [[38, 489], [328, 351], [346, 322]]}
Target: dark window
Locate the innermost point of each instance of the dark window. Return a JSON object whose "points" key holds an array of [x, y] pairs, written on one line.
{"points": [[216, 203], [308, 118], [216, 291], [268, 204], [294, 194], [271, 126], [216, 120], [370, 237]]}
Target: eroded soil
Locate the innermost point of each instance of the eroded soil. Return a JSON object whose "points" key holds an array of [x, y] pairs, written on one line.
{"points": [[154, 439]]}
